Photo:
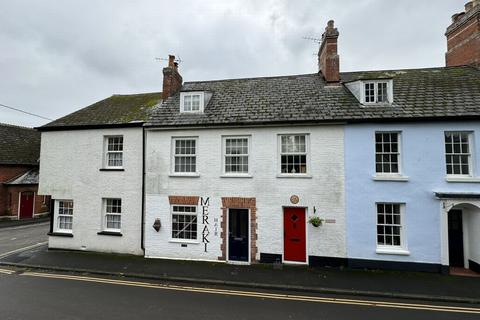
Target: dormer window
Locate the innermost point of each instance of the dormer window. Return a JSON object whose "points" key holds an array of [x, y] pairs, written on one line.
{"points": [[191, 102], [377, 92]]}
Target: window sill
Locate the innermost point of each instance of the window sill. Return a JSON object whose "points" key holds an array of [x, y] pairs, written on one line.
{"points": [[184, 241], [112, 169], [300, 176], [110, 233], [60, 234], [462, 179], [236, 176], [393, 251], [393, 177], [184, 175]]}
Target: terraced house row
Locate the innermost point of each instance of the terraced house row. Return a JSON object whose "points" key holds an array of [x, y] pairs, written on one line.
{"points": [[376, 169]]}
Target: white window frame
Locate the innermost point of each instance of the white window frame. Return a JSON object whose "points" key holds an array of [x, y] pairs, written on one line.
{"points": [[399, 154], [107, 152], [58, 215], [174, 155], [225, 155], [389, 83], [183, 95], [184, 240], [469, 154], [105, 214], [392, 249], [307, 174]]}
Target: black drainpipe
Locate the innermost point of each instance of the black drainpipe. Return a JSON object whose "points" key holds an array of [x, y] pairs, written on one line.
{"points": [[52, 213], [142, 244]]}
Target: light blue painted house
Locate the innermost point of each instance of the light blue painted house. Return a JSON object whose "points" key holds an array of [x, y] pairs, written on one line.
{"points": [[413, 170]]}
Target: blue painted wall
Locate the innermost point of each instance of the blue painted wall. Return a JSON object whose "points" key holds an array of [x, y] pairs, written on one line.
{"points": [[423, 161]]}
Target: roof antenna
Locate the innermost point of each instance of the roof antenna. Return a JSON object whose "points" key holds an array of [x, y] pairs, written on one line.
{"points": [[177, 60], [317, 40]]}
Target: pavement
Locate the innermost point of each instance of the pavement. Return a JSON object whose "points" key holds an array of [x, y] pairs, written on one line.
{"points": [[387, 284], [23, 222], [38, 295]]}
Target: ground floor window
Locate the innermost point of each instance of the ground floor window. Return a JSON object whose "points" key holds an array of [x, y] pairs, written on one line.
{"points": [[184, 222], [389, 225], [65, 215], [113, 214]]}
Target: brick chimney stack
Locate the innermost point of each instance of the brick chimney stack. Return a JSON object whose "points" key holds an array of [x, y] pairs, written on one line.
{"points": [[172, 80], [463, 37], [328, 58]]}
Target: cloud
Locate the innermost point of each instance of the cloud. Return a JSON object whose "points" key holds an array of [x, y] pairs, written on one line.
{"points": [[59, 56]]}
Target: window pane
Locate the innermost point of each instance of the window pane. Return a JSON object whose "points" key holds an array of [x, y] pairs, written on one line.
{"points": [[388, 224], [293, 154], [184, 222], [387, 152], [457, 153]]}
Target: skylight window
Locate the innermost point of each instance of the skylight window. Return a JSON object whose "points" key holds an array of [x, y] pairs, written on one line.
{"points": [[191, 102]]}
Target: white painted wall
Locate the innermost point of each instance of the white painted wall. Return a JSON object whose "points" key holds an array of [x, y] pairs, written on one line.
{"points": [[69, 169], [324, 190]]}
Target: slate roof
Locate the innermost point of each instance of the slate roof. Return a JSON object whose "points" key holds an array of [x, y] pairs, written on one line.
{"points": [[29, 177], [19, 145], [116, 110], [419, 94]]}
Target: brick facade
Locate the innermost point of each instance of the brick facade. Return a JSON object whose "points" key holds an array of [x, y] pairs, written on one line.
{"points": [[9, 195], [184, 200], [463, 38], [239, 203]]}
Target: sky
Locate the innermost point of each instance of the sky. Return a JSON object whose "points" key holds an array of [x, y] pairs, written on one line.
{"points": [[57, 57]]}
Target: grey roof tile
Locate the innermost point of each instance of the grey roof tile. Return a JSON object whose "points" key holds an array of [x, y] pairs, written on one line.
{"points": [[19, 145]]}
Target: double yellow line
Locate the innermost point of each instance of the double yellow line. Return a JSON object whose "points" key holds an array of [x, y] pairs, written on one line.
{"points": [[263, 295], [6, 271]]}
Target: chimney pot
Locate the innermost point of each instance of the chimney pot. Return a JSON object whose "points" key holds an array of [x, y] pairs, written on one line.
{"points": [[171, 60], [468, 6], [455, 17]]}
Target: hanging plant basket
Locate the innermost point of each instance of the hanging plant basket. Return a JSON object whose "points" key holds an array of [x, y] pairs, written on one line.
{"points": [[315, 221]]}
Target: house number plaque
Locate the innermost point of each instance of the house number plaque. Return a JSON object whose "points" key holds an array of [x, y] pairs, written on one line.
{"points": [[294, 199]]}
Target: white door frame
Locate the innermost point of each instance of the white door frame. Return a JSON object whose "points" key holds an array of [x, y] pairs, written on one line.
{"points": [[305, 209], [227, 240]]}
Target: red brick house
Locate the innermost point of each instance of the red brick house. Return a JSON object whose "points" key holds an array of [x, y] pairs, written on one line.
{"points": [[19, 155]]}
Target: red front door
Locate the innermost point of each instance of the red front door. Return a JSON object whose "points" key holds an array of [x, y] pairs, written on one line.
{"points": [[26, 205], [294, 235]]}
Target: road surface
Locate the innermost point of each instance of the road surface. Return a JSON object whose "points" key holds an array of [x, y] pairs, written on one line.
{"points": [[36, 295]]}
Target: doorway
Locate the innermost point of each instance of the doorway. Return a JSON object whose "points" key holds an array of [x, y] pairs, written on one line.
{"points": [[294, 235], [238, 235], [26, 205], [455, 238]]}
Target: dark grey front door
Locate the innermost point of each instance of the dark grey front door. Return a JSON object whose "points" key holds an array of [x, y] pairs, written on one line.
{"points": [[238, 235], [455, 238]]}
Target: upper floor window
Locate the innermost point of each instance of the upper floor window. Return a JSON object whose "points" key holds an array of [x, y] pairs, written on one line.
{"points": [[293, 154], [387, 152], [184, 155], [65, 215], [457, 153], [377, 92], [191, 101], [114, 152], [235, 155]]}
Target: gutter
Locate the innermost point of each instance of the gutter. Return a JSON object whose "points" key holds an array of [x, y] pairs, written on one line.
{"points": [[142, 236]]}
